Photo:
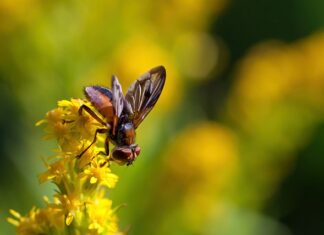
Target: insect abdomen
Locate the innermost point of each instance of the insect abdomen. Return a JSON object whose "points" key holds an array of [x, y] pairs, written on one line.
{"points": [[101, 98]]}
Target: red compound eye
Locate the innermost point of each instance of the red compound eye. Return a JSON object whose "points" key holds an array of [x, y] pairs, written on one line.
{"points": [[122, 154]]}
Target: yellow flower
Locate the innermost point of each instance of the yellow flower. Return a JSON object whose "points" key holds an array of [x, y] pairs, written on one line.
{"points": [[71, 129], [82, 126], [38, 221], [90, 154], [79, 205], [70, 204], [55, 172], [102, 216], [99, 173]]}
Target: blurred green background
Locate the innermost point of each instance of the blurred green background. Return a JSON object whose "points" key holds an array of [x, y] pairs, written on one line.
{"points": [[235, 144]]}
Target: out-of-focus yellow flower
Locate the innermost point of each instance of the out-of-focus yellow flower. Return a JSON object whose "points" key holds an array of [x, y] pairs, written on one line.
{"points": [[206, 154], [267, 74], [275, 72], [200, 167], [56, 171], [276, 102], [79, 205], [15, 12], [39, 221], [197, 54], [175, 14]]}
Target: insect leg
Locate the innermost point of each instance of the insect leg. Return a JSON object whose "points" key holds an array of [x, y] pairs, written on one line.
{"points": [[107, 146], [106, 152], [67, 121], [92, 113], [102, 130]]}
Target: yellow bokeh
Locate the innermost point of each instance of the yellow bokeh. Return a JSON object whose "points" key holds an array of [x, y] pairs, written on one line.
{"points": [[197, 54], [275, 72], [187, 15], [204, 155], [16, 12]]}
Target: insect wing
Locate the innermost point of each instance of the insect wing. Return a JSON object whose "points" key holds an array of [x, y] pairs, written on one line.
{"points": [[118, 98], [102, 99], [144, 93]]}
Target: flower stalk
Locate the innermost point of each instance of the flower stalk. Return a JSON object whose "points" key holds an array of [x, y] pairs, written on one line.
{"points": [[79, 205]]}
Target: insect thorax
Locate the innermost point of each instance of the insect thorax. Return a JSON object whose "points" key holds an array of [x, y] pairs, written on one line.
{"points": [[125, 133]]}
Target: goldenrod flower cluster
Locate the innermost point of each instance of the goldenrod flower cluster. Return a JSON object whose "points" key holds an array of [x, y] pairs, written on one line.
{"points": [[79, 205]]}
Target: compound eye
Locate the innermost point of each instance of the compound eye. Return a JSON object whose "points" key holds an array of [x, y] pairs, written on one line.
{"points": [[121, 155], [137, 150]]}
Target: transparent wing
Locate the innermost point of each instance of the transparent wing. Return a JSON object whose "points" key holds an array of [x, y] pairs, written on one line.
{"points": [[144, 93], [117, 94]]}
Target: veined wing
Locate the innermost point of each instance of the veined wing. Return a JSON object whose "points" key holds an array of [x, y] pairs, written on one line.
{"points": [[143, 94]]}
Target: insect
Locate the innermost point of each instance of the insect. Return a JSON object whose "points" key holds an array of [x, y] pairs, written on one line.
{"points": [[123, 114]]}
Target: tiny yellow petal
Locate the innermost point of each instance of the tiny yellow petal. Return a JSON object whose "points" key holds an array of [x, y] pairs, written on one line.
{"points": [[15, 213], [45, 198], [93, 180], [13, 222], [40, 122], [63, 103], [56, 201], [92, 226], [102, 162], [50, 177], [96, 226], [69, 219]]}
